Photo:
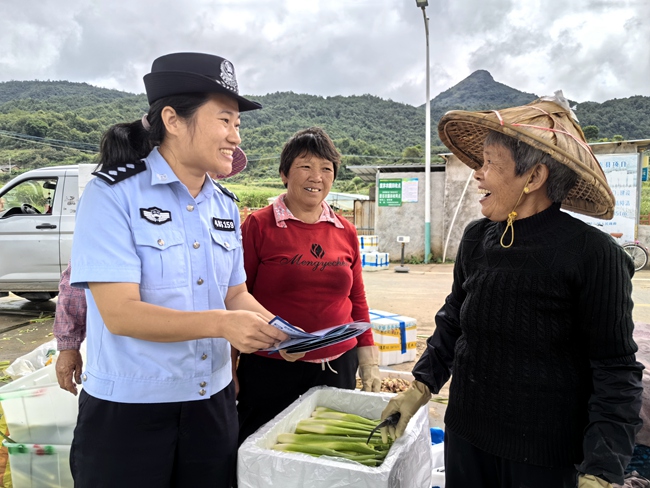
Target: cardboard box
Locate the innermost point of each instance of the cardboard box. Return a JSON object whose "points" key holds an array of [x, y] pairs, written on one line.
{"points": [[367, 243], [395, 335], [37, 410], [374, 261], [39, 465], [407, 465]]}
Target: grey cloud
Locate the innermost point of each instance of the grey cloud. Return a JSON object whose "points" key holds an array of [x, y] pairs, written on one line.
{"points": [[342, 48]]}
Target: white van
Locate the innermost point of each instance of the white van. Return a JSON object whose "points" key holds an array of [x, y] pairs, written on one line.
{"points": [[37, 213]]}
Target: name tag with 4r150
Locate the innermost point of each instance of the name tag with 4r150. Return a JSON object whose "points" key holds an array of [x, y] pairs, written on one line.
{"points": [[223, 224]]}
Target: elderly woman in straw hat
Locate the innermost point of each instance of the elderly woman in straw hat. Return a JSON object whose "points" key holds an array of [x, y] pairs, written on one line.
{"points": [[538, 326]]}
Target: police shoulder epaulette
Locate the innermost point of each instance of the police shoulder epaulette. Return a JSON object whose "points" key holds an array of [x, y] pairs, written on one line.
{"points": [[115, 174], [226, 191]]}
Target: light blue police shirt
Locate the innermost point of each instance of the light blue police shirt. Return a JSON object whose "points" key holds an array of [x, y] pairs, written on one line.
{"points": [[184, 252]]}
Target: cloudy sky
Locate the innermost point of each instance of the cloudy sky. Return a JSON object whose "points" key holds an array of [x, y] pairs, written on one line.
{"points": [[592, 49]]}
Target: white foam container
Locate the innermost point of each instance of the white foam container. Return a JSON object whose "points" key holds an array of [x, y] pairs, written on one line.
{"points": [[395, 335], [407, 465], [39, 465], [374, 261], [438, 463], [38, 411], [368, 243]]}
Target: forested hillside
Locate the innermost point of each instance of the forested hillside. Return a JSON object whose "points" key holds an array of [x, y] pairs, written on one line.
{"points": [[59, 122]]}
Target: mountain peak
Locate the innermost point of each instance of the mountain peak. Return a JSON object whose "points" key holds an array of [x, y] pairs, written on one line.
{"points": [[479, 91], [480, 75]]}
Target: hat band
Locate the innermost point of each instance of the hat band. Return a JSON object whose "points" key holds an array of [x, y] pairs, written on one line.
{"points": [[582, 144]]}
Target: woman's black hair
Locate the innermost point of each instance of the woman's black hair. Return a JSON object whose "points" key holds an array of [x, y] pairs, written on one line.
{"points": [[130, 142], [313, 141]]}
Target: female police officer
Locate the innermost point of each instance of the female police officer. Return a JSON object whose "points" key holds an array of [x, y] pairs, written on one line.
{"points": [[157, 245]]}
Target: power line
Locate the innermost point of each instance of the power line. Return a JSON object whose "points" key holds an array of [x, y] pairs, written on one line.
{"points": [[79, 146]]}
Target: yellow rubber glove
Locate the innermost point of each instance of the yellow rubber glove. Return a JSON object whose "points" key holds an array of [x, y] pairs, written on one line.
{"points": [[369, 368], [591, 481], [406, 403]]}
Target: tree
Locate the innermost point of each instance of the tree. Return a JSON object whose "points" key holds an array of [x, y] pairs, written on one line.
{"points": [[591, 132], [413, 152], [35, 127]]}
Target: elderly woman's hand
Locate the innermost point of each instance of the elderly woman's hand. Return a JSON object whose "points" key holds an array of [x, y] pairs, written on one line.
{"points": [[407, 404]]}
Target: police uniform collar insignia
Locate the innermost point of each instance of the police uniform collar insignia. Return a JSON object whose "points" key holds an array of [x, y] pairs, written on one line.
{"points": [[155, 215], [115, 174], [226, 191]]}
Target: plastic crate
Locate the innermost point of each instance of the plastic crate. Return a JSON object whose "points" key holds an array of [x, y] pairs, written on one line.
{"points": [[37, 410], [39, 465]]}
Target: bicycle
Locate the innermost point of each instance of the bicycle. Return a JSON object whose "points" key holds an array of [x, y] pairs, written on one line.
{"points": [[637, 251]]}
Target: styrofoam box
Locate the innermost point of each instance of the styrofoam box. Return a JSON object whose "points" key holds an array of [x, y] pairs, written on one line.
{"points": [[407, 465], [37, 410], [367, 243], [39, 465], [374, 261], [438, 477], [395, 335]]}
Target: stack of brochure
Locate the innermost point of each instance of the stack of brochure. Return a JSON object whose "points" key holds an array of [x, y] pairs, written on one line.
{"points": [[301, 341]]}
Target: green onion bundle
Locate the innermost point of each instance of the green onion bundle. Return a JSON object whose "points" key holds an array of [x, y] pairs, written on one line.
{"points": [[336, 434]]}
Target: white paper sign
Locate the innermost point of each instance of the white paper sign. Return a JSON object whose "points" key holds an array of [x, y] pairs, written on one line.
{"points": [[622, 173], [410, 190]]}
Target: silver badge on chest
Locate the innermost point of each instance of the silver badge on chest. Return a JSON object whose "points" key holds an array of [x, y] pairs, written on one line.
{"points": [[155, 215]]}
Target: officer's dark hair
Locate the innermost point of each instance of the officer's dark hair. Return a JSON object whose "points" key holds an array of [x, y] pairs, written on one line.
{"points": [[313, 141], [130, 142]]}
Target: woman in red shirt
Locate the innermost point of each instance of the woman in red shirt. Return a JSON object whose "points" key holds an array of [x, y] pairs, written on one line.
{"points": [[302, 263]]}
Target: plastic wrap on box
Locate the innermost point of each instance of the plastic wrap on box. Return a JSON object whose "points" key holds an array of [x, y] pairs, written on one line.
{"points": [[367, 243], [395, 335], [39, 465], [374, 261], [407, 465], [37, 410]]}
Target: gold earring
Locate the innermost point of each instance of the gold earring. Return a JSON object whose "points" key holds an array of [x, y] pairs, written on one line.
{"points": [[526, 190]]}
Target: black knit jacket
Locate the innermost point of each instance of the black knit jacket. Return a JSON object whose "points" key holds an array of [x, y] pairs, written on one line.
{"points": [[539, 337]]}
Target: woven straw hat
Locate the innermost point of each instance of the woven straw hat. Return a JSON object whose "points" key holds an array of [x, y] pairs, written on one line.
{"points": [[542, 124]]}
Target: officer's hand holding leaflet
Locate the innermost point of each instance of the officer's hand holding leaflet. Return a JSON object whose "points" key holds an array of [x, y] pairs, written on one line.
{"points": [[249, 332], [245, 330]]}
